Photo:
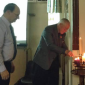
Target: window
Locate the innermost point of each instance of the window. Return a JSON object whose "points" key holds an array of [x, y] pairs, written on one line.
{"points": [[53, 18]]}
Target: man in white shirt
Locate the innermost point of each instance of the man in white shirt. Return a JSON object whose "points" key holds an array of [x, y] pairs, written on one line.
{"points": [[7, 47]]}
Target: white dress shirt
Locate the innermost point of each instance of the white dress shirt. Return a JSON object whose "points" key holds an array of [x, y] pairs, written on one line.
{"points": [[6, 43]]}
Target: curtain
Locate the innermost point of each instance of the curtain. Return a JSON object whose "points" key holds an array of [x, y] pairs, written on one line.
{"points": [[54, 6]]}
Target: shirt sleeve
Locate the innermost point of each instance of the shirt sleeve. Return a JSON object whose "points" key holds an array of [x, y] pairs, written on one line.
{"points": [[2, 66]]}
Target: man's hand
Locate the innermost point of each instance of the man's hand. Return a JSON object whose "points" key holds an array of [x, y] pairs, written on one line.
{"points": [[5, 75], [12, 67], [69, 53]]}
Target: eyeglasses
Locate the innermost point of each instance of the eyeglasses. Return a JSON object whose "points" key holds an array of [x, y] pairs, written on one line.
{"points": [[17, 15]]}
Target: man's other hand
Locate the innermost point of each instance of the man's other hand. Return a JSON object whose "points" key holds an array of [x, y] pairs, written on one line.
{"points": [[69, 53], [5, 75]]}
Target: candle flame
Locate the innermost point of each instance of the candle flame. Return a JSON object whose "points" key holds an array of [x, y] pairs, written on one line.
{"points": [[84, 54], [80, 38], [83, 57], [77, 58]]}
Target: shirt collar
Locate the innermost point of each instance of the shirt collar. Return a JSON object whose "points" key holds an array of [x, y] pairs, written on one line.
{"points": [[5, 21]]}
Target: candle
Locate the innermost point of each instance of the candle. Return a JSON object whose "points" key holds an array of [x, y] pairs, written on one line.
{"points": [[77, 61], [83, 58], [80, 46]]}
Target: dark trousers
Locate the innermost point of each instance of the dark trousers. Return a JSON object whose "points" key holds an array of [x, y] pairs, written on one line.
{"points": [[46, 77], [8, 67]]}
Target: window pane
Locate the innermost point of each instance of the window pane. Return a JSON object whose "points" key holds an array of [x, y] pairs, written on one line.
{"points": [[53, 18]]}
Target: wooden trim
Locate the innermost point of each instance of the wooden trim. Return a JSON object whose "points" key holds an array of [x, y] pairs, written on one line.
{"points": [[75, 24]]}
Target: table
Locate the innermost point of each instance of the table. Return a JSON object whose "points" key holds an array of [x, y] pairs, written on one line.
{"points": [[80, 71]]}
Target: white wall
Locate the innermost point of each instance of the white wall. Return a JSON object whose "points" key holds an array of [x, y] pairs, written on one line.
{"points": [[37, 23]]}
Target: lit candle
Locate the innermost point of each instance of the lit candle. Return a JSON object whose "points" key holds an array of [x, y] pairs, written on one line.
{"points": [[80, 46], [83, 58], [77, 61]]}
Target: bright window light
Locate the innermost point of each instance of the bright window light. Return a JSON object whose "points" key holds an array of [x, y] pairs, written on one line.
{"points": [[53, 18], [20, 25]]}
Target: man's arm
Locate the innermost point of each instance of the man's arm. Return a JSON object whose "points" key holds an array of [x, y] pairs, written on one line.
{"points": [[47, 35], [3, 72], [67, 51], [2, 66]]}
